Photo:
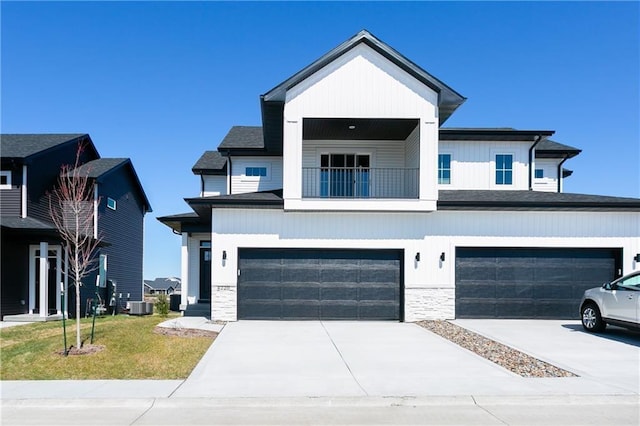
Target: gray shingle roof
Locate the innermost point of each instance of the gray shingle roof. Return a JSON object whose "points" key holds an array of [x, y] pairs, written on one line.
{"points": [[26, 145], [243, 137], [101, 166], [27, 223], [549, 148], [211, 162], [531, 200]]}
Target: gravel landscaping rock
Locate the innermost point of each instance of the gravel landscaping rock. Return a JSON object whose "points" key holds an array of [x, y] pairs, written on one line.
{"points": [[505, 356]]}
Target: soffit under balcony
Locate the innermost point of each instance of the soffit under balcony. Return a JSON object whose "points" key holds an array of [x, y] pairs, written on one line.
{"points": [[358, 128]]}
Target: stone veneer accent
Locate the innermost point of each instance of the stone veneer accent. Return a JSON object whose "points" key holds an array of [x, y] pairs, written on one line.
{"points": [[224, 303], [429, 304]]}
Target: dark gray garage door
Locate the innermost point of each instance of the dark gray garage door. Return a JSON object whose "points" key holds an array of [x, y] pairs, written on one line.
{"points": [[528, 282], [319, 284]]}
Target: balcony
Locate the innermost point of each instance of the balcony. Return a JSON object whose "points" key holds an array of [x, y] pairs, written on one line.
{"points": [[359, 183]]}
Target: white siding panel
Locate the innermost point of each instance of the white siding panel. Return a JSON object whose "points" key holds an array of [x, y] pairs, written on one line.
{"points": [[360, 83], [214, 185], [549, 182], [241, 184], [473, 164]]}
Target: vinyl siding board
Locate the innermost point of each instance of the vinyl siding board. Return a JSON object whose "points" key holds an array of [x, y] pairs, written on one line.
{"points": [[42, 177], [473, 164], [10, 201], [123, 230], [214, 185], [241, 184], [550, 180]]}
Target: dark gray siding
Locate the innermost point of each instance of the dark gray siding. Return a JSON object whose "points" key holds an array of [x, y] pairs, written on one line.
{"points": [[42, 176], [123, 230]]}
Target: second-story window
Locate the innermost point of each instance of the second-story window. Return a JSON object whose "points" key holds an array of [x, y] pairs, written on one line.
{"points": [[5, 179], [504, 169], [255, 171], [444, 168]]}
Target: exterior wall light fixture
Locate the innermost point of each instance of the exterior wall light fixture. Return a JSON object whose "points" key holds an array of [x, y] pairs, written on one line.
{"points": [[442, 257], [637, 258], [224, 255], [418, 257]]}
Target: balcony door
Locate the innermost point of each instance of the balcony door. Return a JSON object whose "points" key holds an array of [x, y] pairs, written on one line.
{"points": [[345, 175]]}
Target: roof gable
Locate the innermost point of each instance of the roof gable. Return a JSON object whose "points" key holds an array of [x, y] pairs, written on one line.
{"points": [[448, 100], [26, 146]]}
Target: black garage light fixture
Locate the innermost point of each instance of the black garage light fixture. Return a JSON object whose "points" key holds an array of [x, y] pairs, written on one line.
{"points": [[418, 257], [224, 255], [637, 258], [442, 257]]}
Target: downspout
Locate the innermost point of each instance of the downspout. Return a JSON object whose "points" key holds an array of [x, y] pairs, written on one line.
{"points": [[201, 185], [23, 202], [566, 157], [532, 162]]}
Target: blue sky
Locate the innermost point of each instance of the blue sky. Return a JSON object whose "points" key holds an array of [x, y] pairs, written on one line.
{"points": [[162, 82]]}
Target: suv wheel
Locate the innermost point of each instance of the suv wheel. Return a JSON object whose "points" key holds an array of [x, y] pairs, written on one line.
{"points": [[591, 319]]}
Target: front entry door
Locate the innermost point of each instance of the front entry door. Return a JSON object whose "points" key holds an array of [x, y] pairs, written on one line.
{"points": [[53, 275], [205, 271]]}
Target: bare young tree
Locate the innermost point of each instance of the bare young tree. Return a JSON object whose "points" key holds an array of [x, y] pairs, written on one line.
{"points": [[71, 206]]}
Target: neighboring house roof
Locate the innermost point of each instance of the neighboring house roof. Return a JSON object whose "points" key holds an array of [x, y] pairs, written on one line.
{"points": [[26, 224], [100, 168], [163, 284], [25, 146], [531, 200], [552, 149], [211, 163]]}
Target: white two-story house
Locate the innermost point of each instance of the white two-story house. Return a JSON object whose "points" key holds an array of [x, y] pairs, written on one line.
{"points": [[352, 201]]}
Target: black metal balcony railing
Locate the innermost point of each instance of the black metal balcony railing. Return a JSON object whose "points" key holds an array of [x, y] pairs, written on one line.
{"points": [[359, 182]]}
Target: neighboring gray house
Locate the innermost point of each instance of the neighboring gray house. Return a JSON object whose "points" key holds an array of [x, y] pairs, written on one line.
{"points": [[162, 286], [29, 282], [353, 201]]}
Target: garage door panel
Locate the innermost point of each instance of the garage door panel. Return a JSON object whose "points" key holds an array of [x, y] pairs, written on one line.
{"points": [[266, 292], [513, 291], [319, 284], [379, 275], [298, 275], [339, 275], [339, 293], [528, 282], [514, 272], [299, 292]]}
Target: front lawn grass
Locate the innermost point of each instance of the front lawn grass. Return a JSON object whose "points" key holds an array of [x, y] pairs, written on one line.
{"points": [[131, 351]]}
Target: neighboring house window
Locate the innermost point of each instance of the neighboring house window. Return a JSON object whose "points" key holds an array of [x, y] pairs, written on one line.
{"points": [[111, 203], [504, 169], [344, 175], [539, 174], [255, 171], [444, 168], [5, 179]]}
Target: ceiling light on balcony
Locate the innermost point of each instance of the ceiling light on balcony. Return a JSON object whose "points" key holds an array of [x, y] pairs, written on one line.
{"points": [[351, 127]]}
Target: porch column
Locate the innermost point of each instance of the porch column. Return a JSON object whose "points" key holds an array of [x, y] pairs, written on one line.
{"points": [[44, 279], [184, 271]]}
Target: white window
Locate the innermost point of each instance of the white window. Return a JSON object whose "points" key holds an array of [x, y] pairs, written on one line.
{"points": [[111, 203], [5, 179], [257, 172], [444, 168]]}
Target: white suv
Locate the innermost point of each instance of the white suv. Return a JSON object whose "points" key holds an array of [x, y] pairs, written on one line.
{"points": [[616, 303]]}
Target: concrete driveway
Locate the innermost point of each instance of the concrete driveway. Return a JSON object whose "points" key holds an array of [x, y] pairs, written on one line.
{"points": [[610, 359], [355, 359]]}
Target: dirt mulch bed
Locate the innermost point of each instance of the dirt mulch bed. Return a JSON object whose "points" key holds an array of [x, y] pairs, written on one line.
{"points": [[87, 349], [184, 332], [505, 356]]}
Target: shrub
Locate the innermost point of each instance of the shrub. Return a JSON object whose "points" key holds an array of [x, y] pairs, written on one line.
{"points": [[162, 305]]}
